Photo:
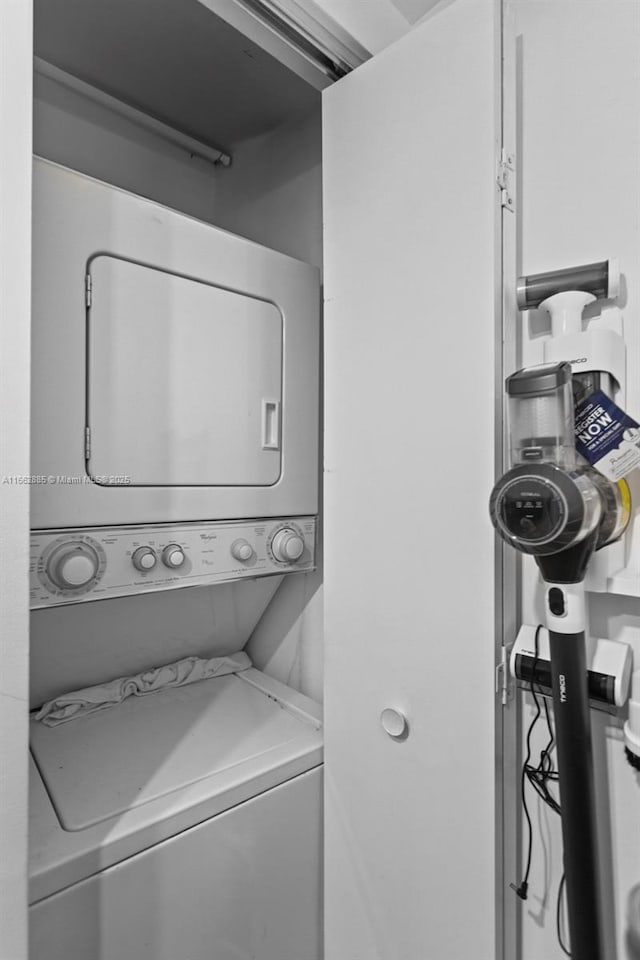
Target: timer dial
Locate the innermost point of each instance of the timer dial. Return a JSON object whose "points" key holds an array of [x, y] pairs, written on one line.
{"points": [[173, 556], [73, 565], [241, 550], [287, 545], [144, 558]]}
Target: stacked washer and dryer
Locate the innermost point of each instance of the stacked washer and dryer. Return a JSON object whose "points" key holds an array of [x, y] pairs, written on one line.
{"points": [[174, 445]]}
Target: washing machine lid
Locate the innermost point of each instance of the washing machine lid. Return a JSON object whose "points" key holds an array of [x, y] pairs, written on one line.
{"points": [[148, 747]]}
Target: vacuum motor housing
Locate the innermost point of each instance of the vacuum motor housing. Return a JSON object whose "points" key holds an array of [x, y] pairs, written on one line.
{"points": [[547, 503]]}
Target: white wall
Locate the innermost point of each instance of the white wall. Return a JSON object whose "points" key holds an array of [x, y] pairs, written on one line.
{"points": [[274, 193], [579, 162], [271, 194], [376, 23], [373, 23], [15, 256], [86, 643], [288, 641], [86, 136], [275, 197]]}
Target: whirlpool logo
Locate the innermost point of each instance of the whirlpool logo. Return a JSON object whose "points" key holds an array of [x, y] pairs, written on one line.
{"points": [[563, 688]]}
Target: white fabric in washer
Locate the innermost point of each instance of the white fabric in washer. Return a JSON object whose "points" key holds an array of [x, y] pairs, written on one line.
{"points": [[222, 732], [80, 703]]}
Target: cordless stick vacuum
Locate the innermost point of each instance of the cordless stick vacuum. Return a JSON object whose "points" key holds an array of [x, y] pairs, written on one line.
{"points": [[561, 510]]}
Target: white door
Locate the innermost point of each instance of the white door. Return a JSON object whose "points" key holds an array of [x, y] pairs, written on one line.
{"points": [[185, 380], [412, 287]]}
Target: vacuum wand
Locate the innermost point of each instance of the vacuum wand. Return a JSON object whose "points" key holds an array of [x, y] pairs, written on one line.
{"points": [[577, 792], [565, 605]]}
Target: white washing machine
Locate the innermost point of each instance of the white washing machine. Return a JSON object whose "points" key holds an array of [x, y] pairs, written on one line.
{"points": [[184, 825]]}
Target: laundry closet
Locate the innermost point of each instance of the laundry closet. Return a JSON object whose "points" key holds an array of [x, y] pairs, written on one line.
{"points": [[170, 294]]}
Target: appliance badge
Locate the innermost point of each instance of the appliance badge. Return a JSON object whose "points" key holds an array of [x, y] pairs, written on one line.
{"points": [[563, 688]]}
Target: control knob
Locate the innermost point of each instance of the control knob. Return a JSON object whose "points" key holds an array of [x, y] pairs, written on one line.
{"points": [[241, 550], [287, 545], [173, 556], [73, 565], [144, 558]]}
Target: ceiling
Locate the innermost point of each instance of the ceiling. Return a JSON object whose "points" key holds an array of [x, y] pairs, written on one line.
{"points": [[175, 60], [414, 10]]}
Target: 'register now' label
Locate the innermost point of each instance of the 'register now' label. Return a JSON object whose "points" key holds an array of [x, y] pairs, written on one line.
{"points": [[607, 437]]}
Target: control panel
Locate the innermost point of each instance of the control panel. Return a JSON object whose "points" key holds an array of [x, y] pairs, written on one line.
{"points": [[74, 565]]}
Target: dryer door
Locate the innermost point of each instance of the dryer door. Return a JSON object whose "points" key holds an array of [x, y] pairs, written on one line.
{"points": [[188, 367], [184, 380]]}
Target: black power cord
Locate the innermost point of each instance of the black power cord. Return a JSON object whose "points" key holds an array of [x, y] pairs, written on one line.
{"points": [[558, 912], [539, 777]]}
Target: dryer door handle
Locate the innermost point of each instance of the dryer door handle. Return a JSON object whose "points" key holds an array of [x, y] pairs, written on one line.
{"points": [[270, 425]]}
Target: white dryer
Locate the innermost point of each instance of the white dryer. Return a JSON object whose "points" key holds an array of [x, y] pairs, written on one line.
{"points": [[175, 366], [184, 825]]}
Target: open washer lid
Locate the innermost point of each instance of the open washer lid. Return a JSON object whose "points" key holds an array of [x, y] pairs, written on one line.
{"points": [[147, 747]]}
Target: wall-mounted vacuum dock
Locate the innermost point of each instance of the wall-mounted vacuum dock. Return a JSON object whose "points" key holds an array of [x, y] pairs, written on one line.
{"points": [[609, 665], [556, 507], [597, 354]]}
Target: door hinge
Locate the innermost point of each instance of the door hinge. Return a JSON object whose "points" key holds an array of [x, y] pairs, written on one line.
{"points": [[87, 290], [502, 676], [87, 443], [505, 179]]}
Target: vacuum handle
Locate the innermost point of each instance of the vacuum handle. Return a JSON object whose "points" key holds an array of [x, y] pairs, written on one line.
{"points": [[577, 792], [600, 279]]}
